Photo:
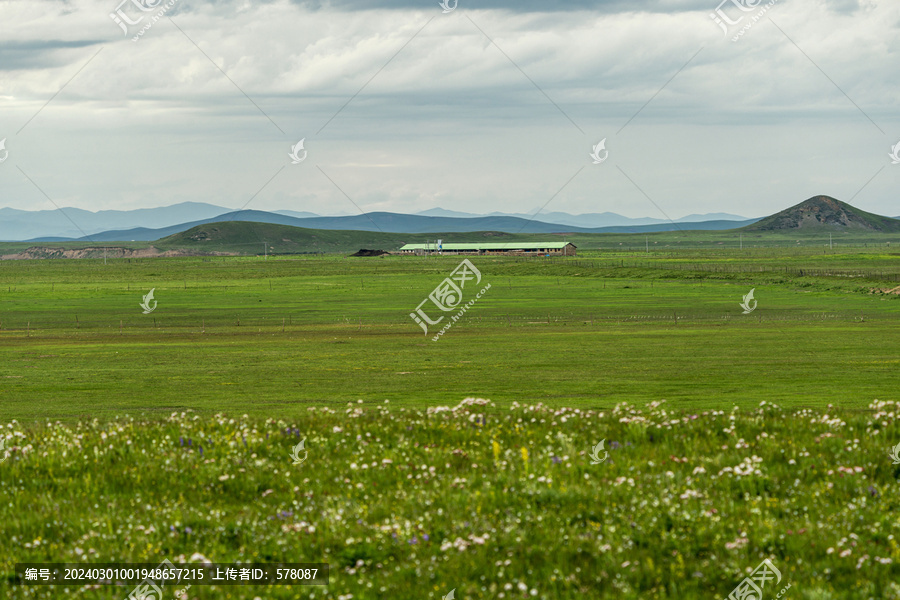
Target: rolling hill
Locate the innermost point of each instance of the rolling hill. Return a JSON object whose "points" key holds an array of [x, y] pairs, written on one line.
{"points": [[821, 213], [825, 214], [147, 224], [256, 238], [384, 222], [254, 232]]}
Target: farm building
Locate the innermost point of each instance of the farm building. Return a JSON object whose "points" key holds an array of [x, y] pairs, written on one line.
{"points": [[508, 248]]}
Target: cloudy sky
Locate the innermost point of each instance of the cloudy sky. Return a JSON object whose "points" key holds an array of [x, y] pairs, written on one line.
{"points": [[493, 106]]}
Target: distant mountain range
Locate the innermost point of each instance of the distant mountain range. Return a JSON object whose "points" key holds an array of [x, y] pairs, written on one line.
{"points": [[814, 216], [252, 232], [24, 224], [590, 220], [392, 223], [73, 224], [155, 223]]}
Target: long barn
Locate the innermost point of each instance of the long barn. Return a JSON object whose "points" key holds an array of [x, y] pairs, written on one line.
{"points": [[495, 248]]}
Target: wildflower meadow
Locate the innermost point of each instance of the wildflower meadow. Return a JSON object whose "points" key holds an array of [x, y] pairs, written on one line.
{"points": [[478, 500]]}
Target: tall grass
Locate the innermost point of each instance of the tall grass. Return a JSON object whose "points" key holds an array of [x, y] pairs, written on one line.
{"points": [[492, 503]]}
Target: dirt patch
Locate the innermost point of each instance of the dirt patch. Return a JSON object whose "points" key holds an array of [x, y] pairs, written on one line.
{"points": [[365, 252], [38, 252], [895, 290]]}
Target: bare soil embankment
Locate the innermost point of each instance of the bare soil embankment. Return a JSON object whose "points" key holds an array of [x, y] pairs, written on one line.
{"points": [[39, 252]]}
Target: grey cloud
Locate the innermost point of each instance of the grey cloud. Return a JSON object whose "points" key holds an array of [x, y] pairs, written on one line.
{"points": [[601, 6], [450, 119], [36, 54], [843, 6]]}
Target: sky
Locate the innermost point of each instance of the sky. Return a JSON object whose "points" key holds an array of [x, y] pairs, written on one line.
{"points": [[475, 106]]}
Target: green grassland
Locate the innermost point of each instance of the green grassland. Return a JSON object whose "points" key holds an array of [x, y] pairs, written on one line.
{"points": [[246, 238], [493, 503], [267, 336], [253, 238], [104, 411]]}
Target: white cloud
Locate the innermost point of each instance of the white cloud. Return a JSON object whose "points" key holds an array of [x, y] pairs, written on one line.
{"points": [[747, 127]]}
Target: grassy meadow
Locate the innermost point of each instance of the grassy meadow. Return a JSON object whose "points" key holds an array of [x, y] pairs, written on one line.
{"points": [[270, 336], [490, 502], [731, 437]]}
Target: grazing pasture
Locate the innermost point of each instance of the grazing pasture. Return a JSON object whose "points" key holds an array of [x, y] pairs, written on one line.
{"points": [[732, 437], [269, 337]]}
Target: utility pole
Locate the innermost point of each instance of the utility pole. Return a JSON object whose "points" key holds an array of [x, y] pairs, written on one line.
{"points": [[266, 250], [830, 242]]}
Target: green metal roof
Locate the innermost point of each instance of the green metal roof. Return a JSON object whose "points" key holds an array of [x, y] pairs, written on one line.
{"points": [[491, 246]]}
